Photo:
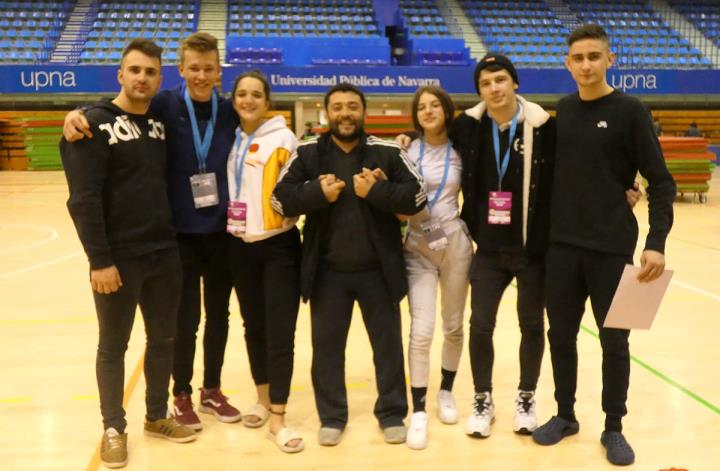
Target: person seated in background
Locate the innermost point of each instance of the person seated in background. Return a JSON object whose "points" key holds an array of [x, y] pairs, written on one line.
{"points": [[693, 131]]}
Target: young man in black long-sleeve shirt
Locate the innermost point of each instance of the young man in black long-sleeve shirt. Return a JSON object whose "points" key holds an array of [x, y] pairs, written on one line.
{"points": [[604, 138], [118, 203]]}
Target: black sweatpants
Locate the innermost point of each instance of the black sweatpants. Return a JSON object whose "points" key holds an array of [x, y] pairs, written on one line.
{"points": [[153, 282], [266, 275], [331, 304], [490, 274], [204, 260], [573, 274]]}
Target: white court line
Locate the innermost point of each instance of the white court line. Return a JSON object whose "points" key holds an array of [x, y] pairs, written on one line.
{"points": [[40, 265], [680, 283], [697, 290], [53, 235]]}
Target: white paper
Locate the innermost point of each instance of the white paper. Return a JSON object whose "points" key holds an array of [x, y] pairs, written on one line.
{"points": [[636, 304]]}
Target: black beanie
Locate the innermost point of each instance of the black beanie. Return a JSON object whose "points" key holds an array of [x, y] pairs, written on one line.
{"points": [[495, 59]]}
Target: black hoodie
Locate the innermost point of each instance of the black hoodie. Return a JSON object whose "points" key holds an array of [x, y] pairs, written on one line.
{"points": [[118, 195]]}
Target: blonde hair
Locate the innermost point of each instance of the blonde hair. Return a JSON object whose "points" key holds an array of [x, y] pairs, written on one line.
{"points": [[200, 42]]}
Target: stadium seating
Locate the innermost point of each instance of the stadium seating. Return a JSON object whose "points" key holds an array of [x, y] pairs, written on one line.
{"points": [[531, 32], [28, 30], [423, 18], [528, 32], [704, 15], [261, 31], [311, 18], [639, 36], [120, 21]]}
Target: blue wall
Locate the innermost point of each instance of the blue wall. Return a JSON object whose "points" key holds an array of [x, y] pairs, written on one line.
{"points": [[379, 79]]}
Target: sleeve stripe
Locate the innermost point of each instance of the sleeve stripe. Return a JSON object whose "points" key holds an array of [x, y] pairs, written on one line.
{"points": [[276, 205], [421, 195], [287, 165]]}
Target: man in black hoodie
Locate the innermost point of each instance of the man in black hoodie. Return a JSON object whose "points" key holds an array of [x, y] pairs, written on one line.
{"points": [[118, 203]]}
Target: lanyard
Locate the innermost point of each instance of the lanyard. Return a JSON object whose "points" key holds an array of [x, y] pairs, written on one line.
{"points": [[240, 160], [502, 167], [440, 189], [202, 147]]}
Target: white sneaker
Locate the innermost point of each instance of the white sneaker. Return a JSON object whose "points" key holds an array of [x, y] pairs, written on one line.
{"points": [[483, 414], [447, 410], [525, 417], [417, 434]]}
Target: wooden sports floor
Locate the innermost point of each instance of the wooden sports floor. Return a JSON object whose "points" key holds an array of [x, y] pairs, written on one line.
{"points": [[49, 412]]}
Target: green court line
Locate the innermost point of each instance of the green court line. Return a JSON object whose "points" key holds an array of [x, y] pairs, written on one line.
{"points": [[663, 377], [657, 373]]}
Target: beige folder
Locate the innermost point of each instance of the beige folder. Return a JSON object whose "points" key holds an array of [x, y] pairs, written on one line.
{"points": [[636, 304]]}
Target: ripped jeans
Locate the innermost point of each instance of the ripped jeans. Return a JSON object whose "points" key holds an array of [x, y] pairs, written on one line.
{"points": [[153, 282]]}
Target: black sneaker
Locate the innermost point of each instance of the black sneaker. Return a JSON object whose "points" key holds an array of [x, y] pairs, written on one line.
{"points": [[619, 451], [554, 430]]}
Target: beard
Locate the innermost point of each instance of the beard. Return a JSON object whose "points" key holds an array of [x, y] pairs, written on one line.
{"points": [[353, 136]]}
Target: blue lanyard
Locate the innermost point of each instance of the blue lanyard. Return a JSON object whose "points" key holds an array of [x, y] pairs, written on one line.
{"points": [[202, 147], [502, 167], [443, 181], [240, 160]]}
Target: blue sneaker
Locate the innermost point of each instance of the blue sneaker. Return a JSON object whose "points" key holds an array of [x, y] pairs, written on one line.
{"points": [[619, 451], [554, 430]]}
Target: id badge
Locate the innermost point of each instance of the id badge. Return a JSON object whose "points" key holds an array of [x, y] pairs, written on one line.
{"points": [[237, 217], [434, 235], [499, 207], [204, 190]]}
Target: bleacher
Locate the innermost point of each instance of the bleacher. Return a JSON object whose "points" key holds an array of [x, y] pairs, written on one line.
{"points": [[423, 18], [118, 22], [703, 15], [28, 30], [429, 39], [528, 32], [639, 36], [676, 122], [29, 140], [333, 32], [323, 18]]}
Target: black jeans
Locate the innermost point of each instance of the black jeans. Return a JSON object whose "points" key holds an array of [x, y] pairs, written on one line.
{"points": [[573, 274], [490, 274], [266, 274], [331, 305], [204, 258], [152, 281]]}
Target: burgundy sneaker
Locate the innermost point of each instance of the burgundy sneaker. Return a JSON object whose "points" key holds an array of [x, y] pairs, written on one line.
{"points": [[184, 412], [213, 402]]}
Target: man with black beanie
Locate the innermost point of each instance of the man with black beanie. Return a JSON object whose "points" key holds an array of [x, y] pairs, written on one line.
{"points": [[507, 146]]}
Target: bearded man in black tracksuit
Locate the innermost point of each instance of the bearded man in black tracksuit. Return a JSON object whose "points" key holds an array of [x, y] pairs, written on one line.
{"points": [[350, 185]]}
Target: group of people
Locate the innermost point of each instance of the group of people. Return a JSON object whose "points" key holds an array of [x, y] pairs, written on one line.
{"points": [[182, 192]]}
